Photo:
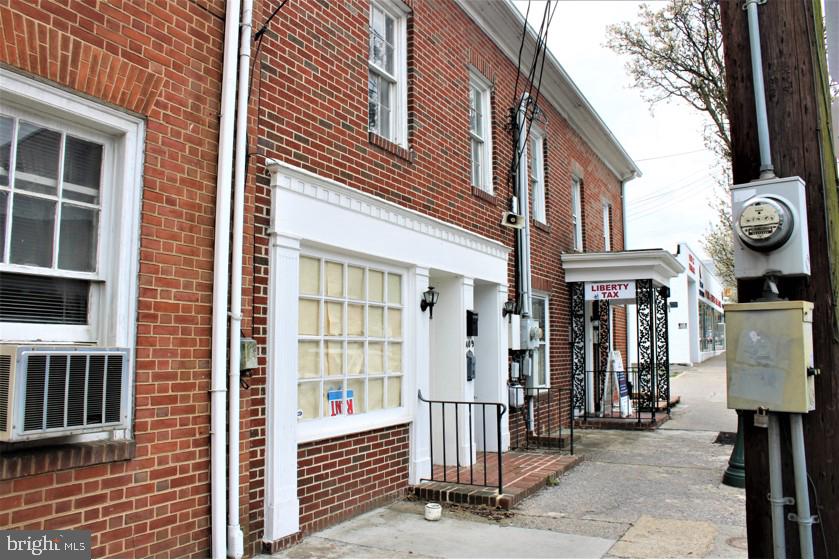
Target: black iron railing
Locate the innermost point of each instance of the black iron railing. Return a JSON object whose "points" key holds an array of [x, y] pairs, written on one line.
{"points": [[643, 390], [467, 411], [544, 412]]}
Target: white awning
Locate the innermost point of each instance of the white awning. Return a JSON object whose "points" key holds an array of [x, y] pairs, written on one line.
{"points": [[657, 265]]}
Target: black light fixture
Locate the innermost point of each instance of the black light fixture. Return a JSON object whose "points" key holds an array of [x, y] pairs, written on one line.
{"points": [[429, 300], [509, 307]]}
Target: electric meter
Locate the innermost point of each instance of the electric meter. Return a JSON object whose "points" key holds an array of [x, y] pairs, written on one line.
{"points": [[765, 223]]}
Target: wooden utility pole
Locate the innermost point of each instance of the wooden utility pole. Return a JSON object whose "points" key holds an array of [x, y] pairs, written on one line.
{"points": [[798, 108]]}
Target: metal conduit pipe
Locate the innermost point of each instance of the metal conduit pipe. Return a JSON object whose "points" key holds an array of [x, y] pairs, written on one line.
{"points": [[776, 487], [802, 494], [218, 387], [766, 169]]}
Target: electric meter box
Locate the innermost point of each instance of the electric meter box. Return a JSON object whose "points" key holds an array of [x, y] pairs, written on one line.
{"points": [[770, 228], [769, 356]]}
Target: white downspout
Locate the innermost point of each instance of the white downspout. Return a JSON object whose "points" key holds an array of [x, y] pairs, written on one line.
{"points": [[235, 539], [218, 386]]}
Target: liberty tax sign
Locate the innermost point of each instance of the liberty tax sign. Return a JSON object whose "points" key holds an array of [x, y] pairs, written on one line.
{"points": [[610, 290]]}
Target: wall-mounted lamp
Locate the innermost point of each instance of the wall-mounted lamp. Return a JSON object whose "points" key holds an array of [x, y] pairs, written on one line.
{"points": [[429, 300], [509, 307]]}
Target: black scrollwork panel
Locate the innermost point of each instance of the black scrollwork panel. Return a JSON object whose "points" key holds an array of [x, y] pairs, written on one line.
{"points": [[578, 345], [646, 347], [662, 352], [603, 348]]}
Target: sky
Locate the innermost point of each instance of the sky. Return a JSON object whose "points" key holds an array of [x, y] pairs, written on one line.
{"points": [[670, 202]]}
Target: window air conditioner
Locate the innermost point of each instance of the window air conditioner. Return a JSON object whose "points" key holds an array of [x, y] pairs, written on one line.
{"points": [[60, 391]]}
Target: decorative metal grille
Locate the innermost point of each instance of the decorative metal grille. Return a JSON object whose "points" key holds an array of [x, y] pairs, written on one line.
{"points": [[646, 348], [662, 352], [578, 346], [603, 344]]}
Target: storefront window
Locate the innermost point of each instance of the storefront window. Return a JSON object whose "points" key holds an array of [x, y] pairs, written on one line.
{"points": [[711, 328], [349, 338]]}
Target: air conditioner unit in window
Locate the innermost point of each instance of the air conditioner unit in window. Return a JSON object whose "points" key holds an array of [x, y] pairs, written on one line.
{"points": [[60, 391]]}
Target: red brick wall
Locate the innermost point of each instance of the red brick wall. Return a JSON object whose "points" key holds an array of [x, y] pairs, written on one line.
{"points": [[311, 95], [161, 60]]}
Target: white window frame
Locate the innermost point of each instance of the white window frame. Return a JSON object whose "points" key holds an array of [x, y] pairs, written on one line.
{"points": [[483, 88], [330, 426], [398, 80], [545, 345], [537, 175], [607, 226], [113, 293], [577, 212]]}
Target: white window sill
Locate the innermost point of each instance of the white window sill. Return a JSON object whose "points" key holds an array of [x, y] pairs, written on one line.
{"points": [[327, 428]]}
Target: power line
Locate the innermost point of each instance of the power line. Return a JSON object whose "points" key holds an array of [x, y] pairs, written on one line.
{"points": [[672, 155]]}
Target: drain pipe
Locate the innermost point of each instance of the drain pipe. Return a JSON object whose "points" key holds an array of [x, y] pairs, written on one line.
{"points": [[766, 169], [218, 387], [235, 539]]}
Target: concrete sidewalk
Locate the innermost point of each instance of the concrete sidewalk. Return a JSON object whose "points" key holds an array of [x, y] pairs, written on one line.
{"points": [[637, 494]]}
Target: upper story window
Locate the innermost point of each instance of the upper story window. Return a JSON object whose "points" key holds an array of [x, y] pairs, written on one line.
{"points": [[577, 212], [537, 175], [480, 132], [387, 71], [350, 338], [607, 226], [70, 176], [541, 358]]}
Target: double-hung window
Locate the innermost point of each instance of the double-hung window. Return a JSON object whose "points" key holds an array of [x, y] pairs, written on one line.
{"points": [[541, 360], [577, 213], [350, 338], [70, 176], [387, 70], [480, 132], [537, 175], [607, 226]]}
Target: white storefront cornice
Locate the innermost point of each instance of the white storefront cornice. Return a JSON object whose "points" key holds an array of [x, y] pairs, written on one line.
{"points": [[655, 264], [308, 184], [502, 23]]}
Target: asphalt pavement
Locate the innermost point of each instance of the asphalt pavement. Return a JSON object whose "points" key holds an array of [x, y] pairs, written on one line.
{"points": [[637, 494]]}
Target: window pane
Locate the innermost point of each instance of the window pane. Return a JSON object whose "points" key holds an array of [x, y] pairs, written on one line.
{"points": [[389, 35], [394, 323], [394, 289], [384, 108], [355, 281], [307, 400], [308, 358], [4, 200], [333, 398], [334, 320], [308, 323], [355, 358], [6, 129], [394, 358], [309, 276], [375, 357], [373, 103], [334, 359], [394, 392], [376, 285], [376, 321], [539, 313], [334, 279], [355, 320], [37, 159], [477, 149], [33, 220], [539, 366], [375, 394], [82, 170], [78, 238], [42, 299], [355, 403]]}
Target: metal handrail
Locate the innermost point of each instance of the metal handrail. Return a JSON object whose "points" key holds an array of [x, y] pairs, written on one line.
{"points": [[500, 410], [542, 417]]}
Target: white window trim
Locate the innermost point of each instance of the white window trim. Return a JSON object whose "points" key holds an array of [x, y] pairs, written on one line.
{"points": [[484, 86], [113, 301], [577, 212], [537, 176], [399, 111], [335, 426], [546, 346], [607, 226]]}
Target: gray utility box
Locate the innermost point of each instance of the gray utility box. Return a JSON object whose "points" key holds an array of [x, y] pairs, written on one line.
{"points": [[769, 356]]}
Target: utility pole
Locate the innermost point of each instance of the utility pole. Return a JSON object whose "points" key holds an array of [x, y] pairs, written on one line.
{"points": [[798, 108]]}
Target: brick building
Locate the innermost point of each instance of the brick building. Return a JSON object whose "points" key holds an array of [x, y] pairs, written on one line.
{"points": [[380, 151]]}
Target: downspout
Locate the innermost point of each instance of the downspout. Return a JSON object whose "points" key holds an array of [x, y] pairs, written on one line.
{"points": [[218, 387], [235, 539]]}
